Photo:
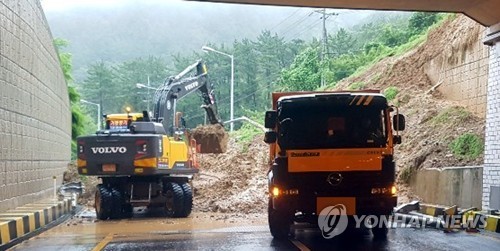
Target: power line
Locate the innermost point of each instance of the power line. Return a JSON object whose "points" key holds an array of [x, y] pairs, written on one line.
{"points": [[308, 28], [289, 28], [237, 100], [282, 21]]}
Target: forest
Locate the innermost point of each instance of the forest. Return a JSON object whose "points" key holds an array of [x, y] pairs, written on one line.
{"points": [[270, 62]]}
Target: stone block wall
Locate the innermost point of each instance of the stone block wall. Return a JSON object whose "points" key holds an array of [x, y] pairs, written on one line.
{"points": [[491, 177], [35, 118], [462, 69]]}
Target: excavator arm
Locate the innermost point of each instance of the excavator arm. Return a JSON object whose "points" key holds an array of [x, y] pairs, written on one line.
{"points": [[179, 86]]}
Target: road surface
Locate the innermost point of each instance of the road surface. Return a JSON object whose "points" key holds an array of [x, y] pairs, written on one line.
{"points": [[204, 231]]}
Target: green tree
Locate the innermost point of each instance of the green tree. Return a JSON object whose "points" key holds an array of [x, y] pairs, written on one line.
{"points": [[100, 87], [420, 21], [393, 36], [304, 73], [341, 43], [129, 73], [78, 118]]}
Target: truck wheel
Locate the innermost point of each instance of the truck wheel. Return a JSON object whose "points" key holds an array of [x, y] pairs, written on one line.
{"points": [[279, 222], [117, 209], [174, 204], [103, 202], [128, 210], [188, 199], [380, 231]]}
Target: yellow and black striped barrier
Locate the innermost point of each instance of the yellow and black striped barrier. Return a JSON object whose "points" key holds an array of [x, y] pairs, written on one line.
{"points": [[28, 218], [432, 210], [471, 220], [492, 223]]}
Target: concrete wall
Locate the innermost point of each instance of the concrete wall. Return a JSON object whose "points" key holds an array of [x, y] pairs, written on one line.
{"points": [[461, 186], [491, 179], [35, 119], [462, 69]]}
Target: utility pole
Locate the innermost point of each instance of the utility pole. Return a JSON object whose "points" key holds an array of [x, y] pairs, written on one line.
{"points": [[148, 98], [324, 48]]}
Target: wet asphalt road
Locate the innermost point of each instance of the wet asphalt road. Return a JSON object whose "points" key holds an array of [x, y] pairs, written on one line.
{"points": [[204, 233]]}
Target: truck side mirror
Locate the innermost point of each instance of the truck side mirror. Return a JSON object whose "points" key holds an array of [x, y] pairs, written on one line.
{"points": [[270, 137], [397, 139], [398, 122], [270, 119]]}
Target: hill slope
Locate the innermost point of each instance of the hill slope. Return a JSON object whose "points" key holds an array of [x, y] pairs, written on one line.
{"points": [[432, 121]]}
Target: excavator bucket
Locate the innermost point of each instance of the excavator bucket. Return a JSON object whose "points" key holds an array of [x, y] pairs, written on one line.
{"points": [[210, 138]]}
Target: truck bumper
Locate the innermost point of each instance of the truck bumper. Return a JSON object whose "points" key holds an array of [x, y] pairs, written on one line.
{"points": [[373, 205]]}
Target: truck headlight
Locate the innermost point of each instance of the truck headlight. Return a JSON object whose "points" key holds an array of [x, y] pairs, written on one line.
{"points": [[384, 190], [276, 192]]}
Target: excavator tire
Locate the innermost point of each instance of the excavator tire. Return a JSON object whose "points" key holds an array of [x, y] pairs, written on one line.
{"points": [[103, 202], [174, 204], [188, 199], [118, 205]]}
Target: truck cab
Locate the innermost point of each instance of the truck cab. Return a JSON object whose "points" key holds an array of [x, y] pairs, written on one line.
{"points": [[330, 148]]}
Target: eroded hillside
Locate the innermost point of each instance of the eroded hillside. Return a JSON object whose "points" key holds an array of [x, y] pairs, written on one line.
{"points": [[433, 122]]}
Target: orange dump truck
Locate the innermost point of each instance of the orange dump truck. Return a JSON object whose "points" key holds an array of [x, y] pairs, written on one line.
{"points": [[330, 148]]}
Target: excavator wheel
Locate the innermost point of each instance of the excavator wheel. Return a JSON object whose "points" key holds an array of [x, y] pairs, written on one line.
{"points": [[174, 204], [118, 204], [188, 199], [103, 202]]}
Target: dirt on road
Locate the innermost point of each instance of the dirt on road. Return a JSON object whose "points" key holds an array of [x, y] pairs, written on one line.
{"points": [[235, 181]]}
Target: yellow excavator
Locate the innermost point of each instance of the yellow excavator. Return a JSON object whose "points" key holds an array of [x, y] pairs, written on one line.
{"points": [[148, 160]]}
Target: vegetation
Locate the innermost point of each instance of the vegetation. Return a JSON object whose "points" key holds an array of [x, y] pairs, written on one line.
{"points": [[467, 146], [357, 86], [78, 118], [247, 132], [262, 65], [457, 113], [391, 92]]}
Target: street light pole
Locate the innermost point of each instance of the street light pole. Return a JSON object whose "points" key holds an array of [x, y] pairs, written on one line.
{"points": [[231, 114], [98, 112], [139, 85], [232, 93], [148, 95]]}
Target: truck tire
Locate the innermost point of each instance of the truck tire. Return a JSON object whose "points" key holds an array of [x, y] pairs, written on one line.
{"points": [[188, 199], [103, 202], [118, 203], [279, 222], [380, 231], [128, 210], [174, 204]]}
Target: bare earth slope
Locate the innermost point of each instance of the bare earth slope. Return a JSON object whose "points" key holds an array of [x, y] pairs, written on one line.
{"points": [[432, 121]]}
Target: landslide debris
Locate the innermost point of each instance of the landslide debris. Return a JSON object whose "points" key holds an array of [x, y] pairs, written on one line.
{"points": [[432, 121], [235, 181], [89, 184], [210, 138]]}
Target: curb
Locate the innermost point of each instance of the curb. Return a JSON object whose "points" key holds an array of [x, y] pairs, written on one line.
{"points": [[23, 220], [492, 221], [432, 210]]}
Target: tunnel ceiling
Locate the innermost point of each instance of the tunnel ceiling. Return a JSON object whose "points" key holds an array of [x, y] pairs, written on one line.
{"points": [[486, 12]]}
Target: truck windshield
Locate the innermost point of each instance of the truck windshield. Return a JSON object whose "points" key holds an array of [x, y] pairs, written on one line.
{"points": [[341, 127]]}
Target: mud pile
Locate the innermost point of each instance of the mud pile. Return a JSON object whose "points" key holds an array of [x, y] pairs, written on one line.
{"points": [[210, 138], [235, 181], [89, 184]]}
